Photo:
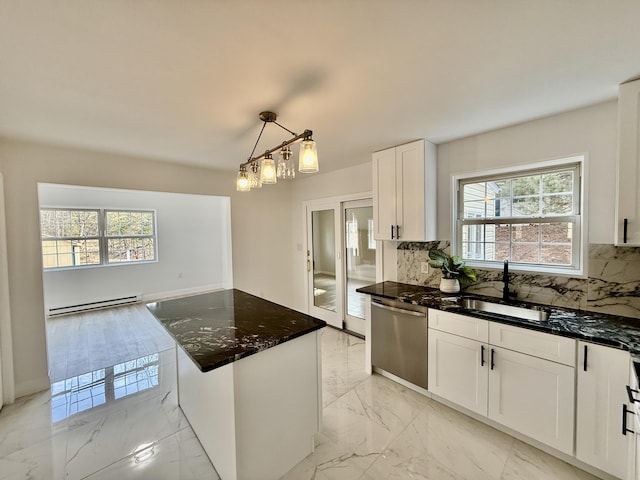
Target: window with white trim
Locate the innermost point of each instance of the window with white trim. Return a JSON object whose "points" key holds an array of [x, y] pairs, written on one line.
{"points": [[82, 237], [529, 217]]}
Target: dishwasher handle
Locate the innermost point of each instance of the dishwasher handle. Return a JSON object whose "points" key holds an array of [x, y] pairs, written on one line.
{"points": [[398, 310]]}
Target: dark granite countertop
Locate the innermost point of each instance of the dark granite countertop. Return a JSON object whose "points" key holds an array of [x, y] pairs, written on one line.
{"points": [[612, 330], [218, 328]]}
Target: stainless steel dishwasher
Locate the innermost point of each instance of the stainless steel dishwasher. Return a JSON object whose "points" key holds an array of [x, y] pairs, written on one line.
{"points": [[399, 339]]}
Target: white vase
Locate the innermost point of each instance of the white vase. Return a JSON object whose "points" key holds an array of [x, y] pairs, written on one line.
{"points": [[449, 285]]}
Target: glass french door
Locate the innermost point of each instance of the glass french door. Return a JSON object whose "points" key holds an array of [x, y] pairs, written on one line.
{"points": [[359, 260], [324, 266], [341, 257]]}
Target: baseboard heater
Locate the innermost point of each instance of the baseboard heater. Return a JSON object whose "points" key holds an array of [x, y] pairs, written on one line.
{"points": [[85, 307]]}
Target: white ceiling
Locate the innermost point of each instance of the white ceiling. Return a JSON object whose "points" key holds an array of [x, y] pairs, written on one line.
{"points": [[184, 80]]}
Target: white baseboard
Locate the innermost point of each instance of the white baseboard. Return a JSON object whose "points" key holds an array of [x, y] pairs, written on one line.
{"points": [[32, 386], [156, 296]]}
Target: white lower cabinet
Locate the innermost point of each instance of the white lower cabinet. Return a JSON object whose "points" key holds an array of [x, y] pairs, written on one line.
{"points": [[602, 375], [457, 370], [532, 395], [633, 440]]}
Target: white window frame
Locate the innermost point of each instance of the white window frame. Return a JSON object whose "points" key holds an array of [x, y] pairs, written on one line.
{"points": [[103, 238], [580, 219]]}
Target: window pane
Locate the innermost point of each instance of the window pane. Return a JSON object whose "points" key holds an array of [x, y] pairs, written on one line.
{"points": [[70, 253], [498, 251], [556, 254], [129, 223], [68, 223], [474, 192], [525, 252], [131, 249], [557, 205], [474, 200], [501, 233], [473, 250], [529, 185], [526, 206], [502, 188], [475, 209], [557, 182], [556, 232], [525, 233]]}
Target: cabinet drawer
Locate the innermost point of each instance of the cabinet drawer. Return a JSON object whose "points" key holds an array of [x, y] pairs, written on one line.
{"points": [[542, 345], [462, 325]]}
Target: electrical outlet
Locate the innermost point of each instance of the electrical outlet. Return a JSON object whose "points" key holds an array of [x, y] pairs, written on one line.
{"points": [[424, 267]]}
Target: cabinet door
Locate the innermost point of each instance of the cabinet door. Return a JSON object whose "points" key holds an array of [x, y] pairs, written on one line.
{"points": [[628, 171], [410, 208], [384, 193], [458, 371], [602, 379], [532, 396]]}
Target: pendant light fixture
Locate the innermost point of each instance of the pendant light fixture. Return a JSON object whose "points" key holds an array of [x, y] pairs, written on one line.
{"points": [[286, 168], [308, 161], [254, 176], [242, 183], [268, 170], [262, 169]]}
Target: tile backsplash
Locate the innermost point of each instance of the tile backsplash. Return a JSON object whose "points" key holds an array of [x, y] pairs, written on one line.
{"points": [[612, 285]]}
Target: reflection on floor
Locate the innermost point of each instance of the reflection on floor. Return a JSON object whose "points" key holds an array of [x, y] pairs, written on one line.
{"points": [[121, 419]]}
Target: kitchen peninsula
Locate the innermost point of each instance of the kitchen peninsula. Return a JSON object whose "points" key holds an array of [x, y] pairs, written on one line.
{"points": [[248, 379]]}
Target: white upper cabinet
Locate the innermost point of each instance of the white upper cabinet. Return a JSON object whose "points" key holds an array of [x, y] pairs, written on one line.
{"points": [[602, 378], [404, 192], [627, 231]]}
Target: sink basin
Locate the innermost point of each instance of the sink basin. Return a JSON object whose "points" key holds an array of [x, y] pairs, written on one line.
{"points": [[538, 314]]}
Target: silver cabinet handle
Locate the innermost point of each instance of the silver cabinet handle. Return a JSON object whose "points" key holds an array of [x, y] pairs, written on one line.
{"points": [[398, 310]]}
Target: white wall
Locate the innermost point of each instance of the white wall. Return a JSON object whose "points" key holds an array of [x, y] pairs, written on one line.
{"points": [[263, 243], [591, 130], [193, 244]]}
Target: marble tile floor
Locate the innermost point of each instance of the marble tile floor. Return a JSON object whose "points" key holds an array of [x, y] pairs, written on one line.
{"points": [[121, 420]]}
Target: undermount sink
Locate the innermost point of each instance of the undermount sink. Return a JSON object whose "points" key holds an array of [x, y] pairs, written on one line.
{"points": [[534, 313]]}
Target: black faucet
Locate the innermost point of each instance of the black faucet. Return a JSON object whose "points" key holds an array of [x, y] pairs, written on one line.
{"points": [[506, 294]]}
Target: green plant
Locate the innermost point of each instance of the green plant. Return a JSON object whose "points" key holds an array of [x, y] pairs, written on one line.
{"points": [[452, 267]]}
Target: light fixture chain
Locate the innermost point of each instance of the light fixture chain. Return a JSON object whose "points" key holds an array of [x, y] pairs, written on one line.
{"points": [[285, 128], [260, 135]]}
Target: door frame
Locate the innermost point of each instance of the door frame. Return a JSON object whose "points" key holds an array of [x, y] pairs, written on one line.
{"points": [[336, 203]]}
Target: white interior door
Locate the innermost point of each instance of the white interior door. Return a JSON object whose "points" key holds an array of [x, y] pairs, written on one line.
{"points": [[359, 260], [324, 262]]}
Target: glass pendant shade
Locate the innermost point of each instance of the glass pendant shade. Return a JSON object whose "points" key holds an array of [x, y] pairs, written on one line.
{"points": [[254, 176], [308, 162], [286, 168], [242, 183], [268, 170]]}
